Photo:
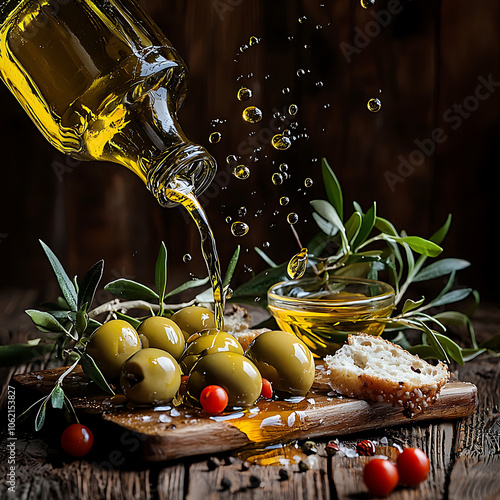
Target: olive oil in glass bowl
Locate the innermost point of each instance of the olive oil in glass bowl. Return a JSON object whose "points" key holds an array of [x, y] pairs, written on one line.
{"points": [[323, 313]]}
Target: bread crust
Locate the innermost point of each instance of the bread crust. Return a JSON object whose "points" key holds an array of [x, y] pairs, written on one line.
{"points": [[375, 369]]}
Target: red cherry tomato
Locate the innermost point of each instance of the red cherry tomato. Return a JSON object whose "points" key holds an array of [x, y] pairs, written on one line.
{"points": [[213, 399], [267, 389], [380, 476], [77, 440], [413, 466]]}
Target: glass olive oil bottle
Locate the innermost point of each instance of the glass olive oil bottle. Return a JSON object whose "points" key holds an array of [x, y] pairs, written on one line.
{"points": [[101, 82]]}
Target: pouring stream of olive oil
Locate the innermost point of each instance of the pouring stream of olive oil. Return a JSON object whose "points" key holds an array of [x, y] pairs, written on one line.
{"points": [[102, 82]]}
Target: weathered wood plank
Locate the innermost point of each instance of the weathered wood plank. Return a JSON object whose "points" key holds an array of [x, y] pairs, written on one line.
{"points": [[476, 478]]}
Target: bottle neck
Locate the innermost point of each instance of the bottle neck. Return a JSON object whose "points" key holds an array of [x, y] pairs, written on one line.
{"points": [[186, 163]]}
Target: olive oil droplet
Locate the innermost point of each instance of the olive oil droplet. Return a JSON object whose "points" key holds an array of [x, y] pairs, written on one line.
{"points": [[281, 142], [374, 105], [214, 137], [241, 172], [239, 228], [186, 258], [308, 182], [366, 4], [244, 94], [297, 265], [252, 114], [284, 201], [292, 218], [292, 109], [277, 179]]}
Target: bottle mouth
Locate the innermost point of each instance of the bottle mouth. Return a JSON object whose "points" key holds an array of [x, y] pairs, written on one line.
{"points": [[187, 162]]}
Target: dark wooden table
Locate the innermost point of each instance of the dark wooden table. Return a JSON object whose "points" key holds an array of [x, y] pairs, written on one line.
{"points": [[464, 454]]}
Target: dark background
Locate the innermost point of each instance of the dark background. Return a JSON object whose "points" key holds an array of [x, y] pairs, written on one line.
{"points": [[424, 63]]}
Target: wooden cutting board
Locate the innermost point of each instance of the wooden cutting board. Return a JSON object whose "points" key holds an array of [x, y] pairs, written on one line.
{"points": [[167, 432]]}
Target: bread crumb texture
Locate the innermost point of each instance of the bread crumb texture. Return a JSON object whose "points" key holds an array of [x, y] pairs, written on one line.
{"points": [[375, 369]]}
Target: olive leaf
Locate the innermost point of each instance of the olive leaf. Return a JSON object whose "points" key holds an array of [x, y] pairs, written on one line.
{"points": [[231, 267], [15, 354], [45, 322], [332, 187], [194, 283], [410, 305], [67, 287], [130, 290], [90, 283], [265, 258], [161, 275], [129, 319], [40, 416], [57, 397], [353, 226], [366, 226], [93, 372], [440, 268], [441, 233]]}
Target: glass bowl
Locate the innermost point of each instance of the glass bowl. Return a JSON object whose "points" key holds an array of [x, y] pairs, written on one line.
{"points": [[323, 313]]}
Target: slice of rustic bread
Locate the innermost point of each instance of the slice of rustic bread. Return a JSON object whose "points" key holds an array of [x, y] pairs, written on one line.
{"points": [[373, 368]]}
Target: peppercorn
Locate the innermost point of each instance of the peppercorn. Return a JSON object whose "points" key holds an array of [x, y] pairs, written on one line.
{"points": [[366, 448], [283, 473], [254, 482], [304, 466], [225, 483]]}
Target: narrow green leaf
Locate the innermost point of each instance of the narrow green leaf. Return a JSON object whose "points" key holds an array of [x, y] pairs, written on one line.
{"points": [[90, 283], [129, 319], [318, 243], [434, 342], [441, 268], [93, 372], [327, 227], [161, 275], [67, 287], [333, 189], [386, 227], [352, 226], [69, 411], [424, 351], [258, 286], [130, 290], [231, 267], [82, 320], [470, 353], [451, 297], [453, 349], [328, 212], [28, 410], [422, 246], [16, 354], [45, 321], [441, 233], [265, 257], [40, 416], [188, 285], [410, 305], [366, 226], [455, 318], [57, 397]]}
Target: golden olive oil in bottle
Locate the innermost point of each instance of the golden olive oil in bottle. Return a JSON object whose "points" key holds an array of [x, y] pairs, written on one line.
{"points": [[102, 82]]}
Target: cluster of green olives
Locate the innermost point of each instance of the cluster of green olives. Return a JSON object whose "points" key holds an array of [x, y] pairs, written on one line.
{"points": [[150, 361]]}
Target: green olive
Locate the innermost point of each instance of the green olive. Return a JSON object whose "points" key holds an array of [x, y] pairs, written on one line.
{"points": [[205, 343], [194, 319], [231, 371], [150, 376], [162, 333], [284, 360], [111, 344]]}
